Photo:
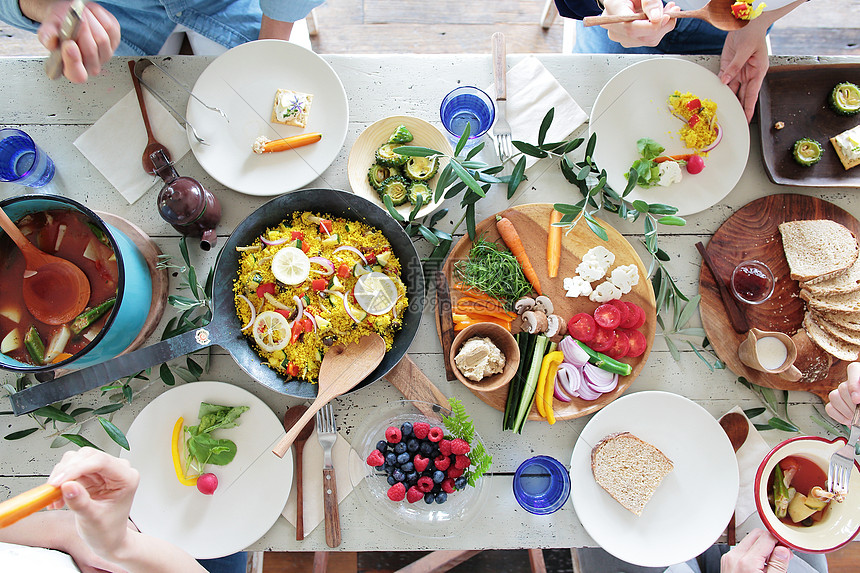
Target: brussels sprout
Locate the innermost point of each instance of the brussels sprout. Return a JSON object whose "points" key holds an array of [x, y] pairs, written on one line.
{"points": [[400, 135], [395, 187], [385, 155], [421, 168]]}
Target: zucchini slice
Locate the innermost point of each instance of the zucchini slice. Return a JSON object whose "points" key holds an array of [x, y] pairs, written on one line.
{"points": [[845, 99], [385, 155], [420, 188], [377, 174], [807, 151]]}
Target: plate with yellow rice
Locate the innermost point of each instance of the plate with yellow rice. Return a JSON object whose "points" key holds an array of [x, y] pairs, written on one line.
{"points": [[648, 100]]}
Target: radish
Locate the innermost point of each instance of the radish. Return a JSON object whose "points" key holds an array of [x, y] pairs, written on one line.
{"points": [[207, 484], [695, 164]]}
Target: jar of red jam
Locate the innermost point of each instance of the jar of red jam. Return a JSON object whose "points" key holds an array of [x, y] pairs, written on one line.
{"points": [[752, 282]]}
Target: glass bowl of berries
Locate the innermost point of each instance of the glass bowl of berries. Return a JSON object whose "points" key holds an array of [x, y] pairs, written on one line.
{"points": [[424, 467]]}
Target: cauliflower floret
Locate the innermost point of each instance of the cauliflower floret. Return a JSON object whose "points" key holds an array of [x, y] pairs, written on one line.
{"points": [[605, 292], [625, 277], [590, 271], [599, 256], [670, 172], [577, 286]]}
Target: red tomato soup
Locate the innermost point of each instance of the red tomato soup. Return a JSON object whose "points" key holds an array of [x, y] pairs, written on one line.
{"points": [[805, 475], [70, 235]]}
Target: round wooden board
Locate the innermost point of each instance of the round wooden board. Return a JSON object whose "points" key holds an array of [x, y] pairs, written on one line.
{"points": [[532, 222], [753, 233]]}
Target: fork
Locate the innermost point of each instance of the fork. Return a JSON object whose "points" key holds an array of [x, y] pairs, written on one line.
{"points": [[327, 435], [501, 129], [175, 113], [143, 63], [842, 460]]}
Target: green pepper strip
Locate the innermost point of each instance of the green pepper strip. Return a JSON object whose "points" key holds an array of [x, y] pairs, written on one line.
{"points": [[35, 346], [86, 318], [604, 362], [780, 493]]}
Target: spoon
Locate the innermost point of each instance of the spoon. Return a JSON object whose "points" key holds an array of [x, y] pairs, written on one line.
{"points": [[290, 418], [152, 144], [736, 428], [55, 290], [718, 13], [342, 368]]}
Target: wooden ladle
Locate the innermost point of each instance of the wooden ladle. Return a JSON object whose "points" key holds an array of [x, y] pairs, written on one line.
{"points": [[718, 13], [737, 428], [290, 419], [342, 368], [55, 290], [152, 144]]}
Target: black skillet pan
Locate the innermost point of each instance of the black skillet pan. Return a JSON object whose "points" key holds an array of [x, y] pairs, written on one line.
{"points": [[225, 328]]}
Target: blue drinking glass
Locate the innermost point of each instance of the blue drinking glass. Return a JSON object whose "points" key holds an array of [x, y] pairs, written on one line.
{"points": [[467, 105], [541, 485], [22, 161]]}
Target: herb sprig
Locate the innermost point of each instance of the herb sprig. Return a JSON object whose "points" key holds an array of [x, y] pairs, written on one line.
{"points": [[460, 426]]}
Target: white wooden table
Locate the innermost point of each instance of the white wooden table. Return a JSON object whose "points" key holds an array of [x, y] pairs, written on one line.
{"points": [[55, 113]]}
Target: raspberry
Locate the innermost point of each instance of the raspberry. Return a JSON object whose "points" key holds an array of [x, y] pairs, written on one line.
{"points": [[393, 435], [462, 462], [420, 430], [448, 485], [445, 447], [397, 492], [436, 434], [460, 447], [375, 459], [455, 472], [442, 462], [420, 463], [425, 483], [413, 494]]}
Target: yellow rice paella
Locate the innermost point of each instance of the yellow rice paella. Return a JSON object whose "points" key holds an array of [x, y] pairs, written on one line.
{"points": [[701, 128], [315, 281]]}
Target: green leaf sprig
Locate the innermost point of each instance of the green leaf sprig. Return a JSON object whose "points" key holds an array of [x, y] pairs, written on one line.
{"points": [[459, 425]]}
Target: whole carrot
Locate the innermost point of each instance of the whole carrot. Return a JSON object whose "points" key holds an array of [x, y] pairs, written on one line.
{"points": [[553, 244], [263, 145], [512, 240]]}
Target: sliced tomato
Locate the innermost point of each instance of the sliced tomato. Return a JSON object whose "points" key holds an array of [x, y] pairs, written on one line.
{"points": [[343, 271], [307, 324], [622, 308], [636, 318], [319, 284], [582, 327], [603, 339], [303, 245], [292, 369], [296, 330], [296, 235], [371, 258], [694, 104], [266, 288], [284, 313], [694, 119], [607, 316], [638, 344], [325, 226], [620, 346]]}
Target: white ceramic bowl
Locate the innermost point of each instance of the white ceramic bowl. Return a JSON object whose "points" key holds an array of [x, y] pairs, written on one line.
{"points": [[841, 521]]}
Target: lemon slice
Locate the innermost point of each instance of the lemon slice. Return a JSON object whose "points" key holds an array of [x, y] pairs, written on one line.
{"points": [[375, 293], [271, 331], [291, 266]]}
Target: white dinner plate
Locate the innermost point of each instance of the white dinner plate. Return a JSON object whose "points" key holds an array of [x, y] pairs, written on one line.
{"points": [[634, 104], [693, 504], [252, 489], [242, 82]]}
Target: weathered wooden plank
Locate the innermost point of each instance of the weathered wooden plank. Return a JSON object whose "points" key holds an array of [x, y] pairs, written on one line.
{"points": [[801, 40], [452, 12]]}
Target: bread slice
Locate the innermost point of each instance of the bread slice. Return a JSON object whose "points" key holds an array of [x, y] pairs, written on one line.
{"points": [[846, 321], [851, 336], [830, 344], [848, 303], [629, 469], [817, 249], [845, 282]]}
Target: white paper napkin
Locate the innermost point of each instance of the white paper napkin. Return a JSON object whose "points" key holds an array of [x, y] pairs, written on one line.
{"points": [[115, 143], [532, 91], [344, 459], [749, 455]]}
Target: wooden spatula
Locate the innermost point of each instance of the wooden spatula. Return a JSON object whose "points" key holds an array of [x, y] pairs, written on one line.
{"points": [[342, 368]]}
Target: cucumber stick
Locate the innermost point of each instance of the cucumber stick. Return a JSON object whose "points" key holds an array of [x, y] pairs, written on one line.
{"points": [[526, 344], [528, 393]]}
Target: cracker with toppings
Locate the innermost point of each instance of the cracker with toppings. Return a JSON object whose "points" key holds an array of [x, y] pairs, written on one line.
{"points": [[847, 146], [292, 107]]}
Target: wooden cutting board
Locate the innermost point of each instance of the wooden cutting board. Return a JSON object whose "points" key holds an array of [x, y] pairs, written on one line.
{"points": [[753, 233], [532, 223]]}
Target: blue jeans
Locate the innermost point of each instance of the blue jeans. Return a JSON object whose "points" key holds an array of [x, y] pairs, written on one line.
{"points": [[690, 36], [236, 563]]}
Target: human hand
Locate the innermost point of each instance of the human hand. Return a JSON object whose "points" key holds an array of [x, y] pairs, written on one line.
{"points": [[756, 553], [97, 39], [845, 397], [99, 489], [641, 32], [744, 63]]}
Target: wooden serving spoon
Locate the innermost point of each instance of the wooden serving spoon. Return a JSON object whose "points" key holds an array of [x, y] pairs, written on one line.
{"points": [[290, 418], [342, 368], [55, 290], [737, 428], [718, 13], [152, 144]]}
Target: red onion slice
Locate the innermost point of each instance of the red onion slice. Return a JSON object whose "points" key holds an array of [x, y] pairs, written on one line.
{"points": [[253, 312], [351, 250], [598, 379], [299, 305], [325, 263], [716, 142], [568, 380], [273, 243], [573, 352]]}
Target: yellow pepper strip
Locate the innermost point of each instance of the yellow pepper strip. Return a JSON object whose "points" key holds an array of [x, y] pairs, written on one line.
{"points": [[177, 463], [546, 384]]}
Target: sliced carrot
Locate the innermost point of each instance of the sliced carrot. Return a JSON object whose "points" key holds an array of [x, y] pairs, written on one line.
{"points": [[488, 302], [553, 244], [28, 502], [682, 157], [476, 311], [291, 142], [512, 240], [458, 326], [60, 357]]}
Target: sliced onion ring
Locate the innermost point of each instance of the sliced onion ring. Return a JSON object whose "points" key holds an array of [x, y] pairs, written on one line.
{"points": [[274, 243], [573, 352], [253, 312], [598, 379], [716, 141], [568, 379], [299, 305], [325, 263], [313, 320], [351, 250]]}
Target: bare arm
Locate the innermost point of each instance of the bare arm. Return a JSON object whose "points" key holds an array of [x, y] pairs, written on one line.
{"points": [[275, 29]]}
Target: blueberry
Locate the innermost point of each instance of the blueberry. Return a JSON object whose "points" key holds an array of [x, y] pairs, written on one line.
{"points": [[391, 458], [382, 445], [412, 478], [398, 475], [399, 448], [460, 482], [388, 468], [391, 480], [407, 467], [440, 497], [429, 498], [426, 449], [379, 468], [406, 428], [412, 445], [438, 476], [403, 458]]}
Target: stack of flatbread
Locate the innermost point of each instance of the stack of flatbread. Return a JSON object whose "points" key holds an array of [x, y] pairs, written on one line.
{"points": [[823, 256]]}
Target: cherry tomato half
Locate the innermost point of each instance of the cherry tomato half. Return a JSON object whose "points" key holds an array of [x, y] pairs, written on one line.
{"points": [[603, 339], [607, 316], [582, 327]]}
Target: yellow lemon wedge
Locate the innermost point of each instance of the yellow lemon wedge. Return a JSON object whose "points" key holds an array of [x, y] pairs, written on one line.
{"points": [[291, 266]]}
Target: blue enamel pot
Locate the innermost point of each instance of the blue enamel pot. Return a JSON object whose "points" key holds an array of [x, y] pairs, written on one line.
{"points": [[134, 291]]}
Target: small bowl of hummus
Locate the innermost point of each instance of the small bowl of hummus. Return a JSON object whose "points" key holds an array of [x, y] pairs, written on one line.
{"points": [[484, 356]]}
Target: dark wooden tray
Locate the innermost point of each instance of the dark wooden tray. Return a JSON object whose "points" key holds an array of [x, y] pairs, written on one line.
{"points": [[797, 96]]}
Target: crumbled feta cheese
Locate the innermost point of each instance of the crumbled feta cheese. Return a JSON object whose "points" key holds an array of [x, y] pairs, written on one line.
{"points": [[590, 271], [577, 286], [670, 172], [599, 256], [625, 277], [605, 292]]}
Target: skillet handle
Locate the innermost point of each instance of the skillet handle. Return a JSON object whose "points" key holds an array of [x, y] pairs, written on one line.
{"points": [[80, 381]]}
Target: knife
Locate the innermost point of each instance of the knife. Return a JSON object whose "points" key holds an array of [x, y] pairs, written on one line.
{"points": [[445, 319], [68, 30], [736, 315]]}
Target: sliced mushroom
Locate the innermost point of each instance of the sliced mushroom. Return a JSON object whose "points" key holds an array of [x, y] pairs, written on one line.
{"points": [[534, 322], [524, 304], [555, 326], [543, 304]]}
